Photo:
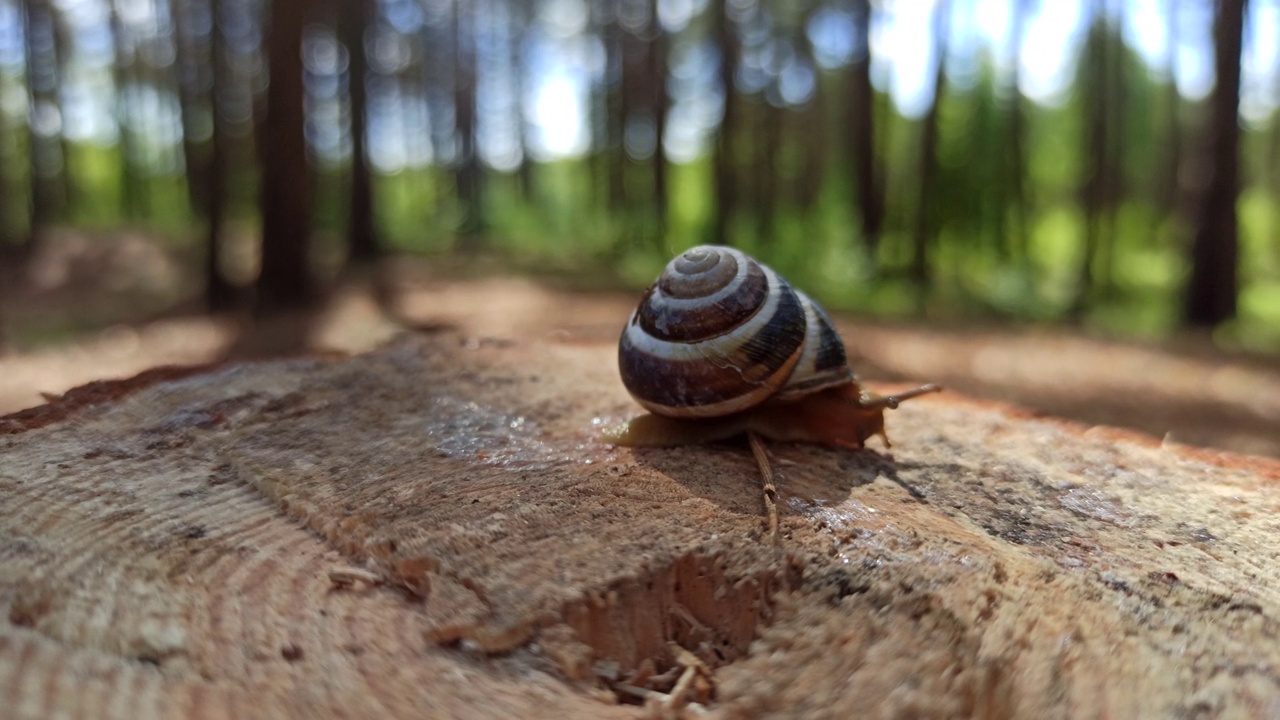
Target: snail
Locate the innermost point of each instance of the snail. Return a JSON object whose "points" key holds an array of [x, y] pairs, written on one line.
{"points": [[721, 346]]}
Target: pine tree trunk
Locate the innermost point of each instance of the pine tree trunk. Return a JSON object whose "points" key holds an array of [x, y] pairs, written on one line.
{"points": [[188, 74], [519, 18], [362, 240], [287, 190], [870, 197], [1211, 291], [1015, 244], [1096, 137], [768, 149], [725, 181], [44, 153], [618, 112], [925, 229], [8, 205], [124, 72], [467, 174], [1168, 188], [219, 293], [657, 54]]}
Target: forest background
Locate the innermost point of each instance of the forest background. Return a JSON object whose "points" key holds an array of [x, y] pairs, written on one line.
{"points": [[1099, 162]]}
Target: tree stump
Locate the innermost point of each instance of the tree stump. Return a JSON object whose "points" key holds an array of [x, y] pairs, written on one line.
{"points": [[434, 530]]}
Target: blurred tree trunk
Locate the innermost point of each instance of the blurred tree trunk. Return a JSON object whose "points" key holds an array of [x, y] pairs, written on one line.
{"points": [[866, 171], [63, 51], [467, 173], [1114, 184], [725, 181], [598, 119], [287, 188], [427, 74], [925, 228], [768, 148], [362, 240], [1211, 291], [755, 158], [45, 153], [219, 293], [808, 130], [11, 249], [1273, 168], [1093, 188], [519, 13], [1167, 190], [618, 110], [8, 194], [125, 75], [190, 74], [1015, 165], [660, 103]]}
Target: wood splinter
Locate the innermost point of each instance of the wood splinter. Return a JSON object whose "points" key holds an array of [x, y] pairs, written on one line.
{"points": [[693, 685], [346, 577], [694, 670], [770, 488]]}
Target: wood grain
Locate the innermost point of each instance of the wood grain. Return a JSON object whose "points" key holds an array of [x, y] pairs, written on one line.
{"points": [[168, 552]]}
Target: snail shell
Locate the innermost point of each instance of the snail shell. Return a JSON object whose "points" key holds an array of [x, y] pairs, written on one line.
{"points": [[720, 332]]}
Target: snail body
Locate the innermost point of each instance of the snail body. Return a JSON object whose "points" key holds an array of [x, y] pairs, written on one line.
{"points": [[721, 345]]}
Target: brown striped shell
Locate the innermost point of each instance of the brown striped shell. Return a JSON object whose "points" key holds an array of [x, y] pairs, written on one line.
{"points": [[719, 332]]}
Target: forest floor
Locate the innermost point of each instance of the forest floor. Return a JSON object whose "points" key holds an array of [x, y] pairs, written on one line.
{"points": [[88, 310]]}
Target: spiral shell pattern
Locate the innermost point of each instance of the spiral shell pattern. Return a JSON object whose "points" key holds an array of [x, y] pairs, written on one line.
{"points": [[719, 332]]}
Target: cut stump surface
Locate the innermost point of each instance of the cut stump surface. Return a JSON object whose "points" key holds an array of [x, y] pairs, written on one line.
{"points": [[433, 530]]}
